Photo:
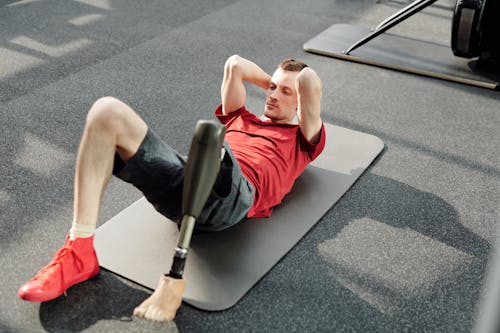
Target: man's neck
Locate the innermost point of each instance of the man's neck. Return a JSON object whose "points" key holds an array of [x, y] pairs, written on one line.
{"points": [[293, 121]]}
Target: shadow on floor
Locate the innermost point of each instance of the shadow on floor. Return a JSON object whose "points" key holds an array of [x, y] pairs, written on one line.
{"points": [[103, 298]]}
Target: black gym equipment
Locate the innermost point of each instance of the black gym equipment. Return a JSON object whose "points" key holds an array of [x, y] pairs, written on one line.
{"points": [[473, 33], [474, 29], [465, 31]]}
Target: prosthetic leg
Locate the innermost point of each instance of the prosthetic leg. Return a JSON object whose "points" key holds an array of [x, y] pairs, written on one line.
{"points": [[200, 174], [199, 177]]}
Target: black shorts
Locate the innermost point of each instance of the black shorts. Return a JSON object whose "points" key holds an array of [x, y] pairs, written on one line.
{"points": [[157, 170]]}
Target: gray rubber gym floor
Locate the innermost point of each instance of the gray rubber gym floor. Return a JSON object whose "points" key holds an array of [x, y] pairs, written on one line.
{"points": [[405, 249]]}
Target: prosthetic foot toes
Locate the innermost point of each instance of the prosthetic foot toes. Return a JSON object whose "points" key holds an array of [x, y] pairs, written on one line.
{"points": [[162, 305]]}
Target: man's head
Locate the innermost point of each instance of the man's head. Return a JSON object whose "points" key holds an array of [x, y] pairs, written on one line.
{"points": [[281, 96]]}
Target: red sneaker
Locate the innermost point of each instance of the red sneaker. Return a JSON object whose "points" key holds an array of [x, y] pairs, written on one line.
{"points": [[75, 262]]}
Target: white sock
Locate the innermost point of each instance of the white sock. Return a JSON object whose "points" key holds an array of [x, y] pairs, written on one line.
{"points": [[81, 231]]}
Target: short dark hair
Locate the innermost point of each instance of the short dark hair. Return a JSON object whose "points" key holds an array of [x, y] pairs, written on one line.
{"points": [[292, 65]]}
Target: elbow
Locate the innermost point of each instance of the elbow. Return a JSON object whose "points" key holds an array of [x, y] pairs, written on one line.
{"points": [[232, 63], [308, 81]]}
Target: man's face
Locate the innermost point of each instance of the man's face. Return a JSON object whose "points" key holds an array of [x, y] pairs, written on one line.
{"points": [[281, 97]]}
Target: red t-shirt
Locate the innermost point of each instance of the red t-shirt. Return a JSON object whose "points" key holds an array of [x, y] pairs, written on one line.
{"points": [[271, 155]]}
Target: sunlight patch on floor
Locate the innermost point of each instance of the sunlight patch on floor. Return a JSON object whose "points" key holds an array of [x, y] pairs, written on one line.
{"points": [[53, 51], [41, 157], [385, 265], [13, 62], [102, 4], [86, 19]]}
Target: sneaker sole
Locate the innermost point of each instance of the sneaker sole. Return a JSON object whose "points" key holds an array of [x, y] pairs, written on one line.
{"points": [[44, 297]]}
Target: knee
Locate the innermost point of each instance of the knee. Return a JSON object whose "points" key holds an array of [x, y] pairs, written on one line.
{"points": [[105, 113]]}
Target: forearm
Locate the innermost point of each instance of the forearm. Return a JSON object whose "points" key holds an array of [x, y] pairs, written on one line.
{"points": [[308, 84], [236, 71], [248, 71], [309, 91]]}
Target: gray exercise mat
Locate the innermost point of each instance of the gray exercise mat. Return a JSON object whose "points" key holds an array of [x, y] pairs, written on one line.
{"points": [[401, 53], [139, 243]]}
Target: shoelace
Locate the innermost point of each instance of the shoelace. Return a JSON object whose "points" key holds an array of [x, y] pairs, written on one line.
{"points": [[58, 260]]}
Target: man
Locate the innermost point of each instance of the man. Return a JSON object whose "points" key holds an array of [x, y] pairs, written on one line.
{"points": [[263, 158]]}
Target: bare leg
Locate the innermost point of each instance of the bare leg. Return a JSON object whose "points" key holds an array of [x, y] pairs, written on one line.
{"points": [[111, 126]]}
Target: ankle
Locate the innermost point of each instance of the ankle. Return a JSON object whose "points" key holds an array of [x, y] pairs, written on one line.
{"points": [[81, 231]]}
